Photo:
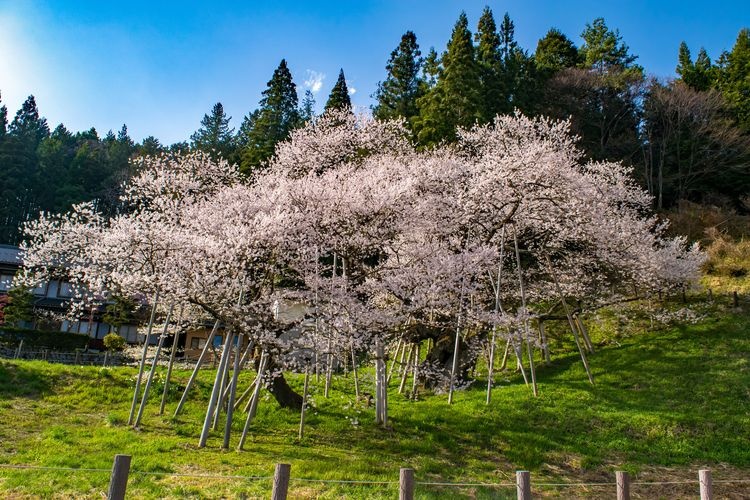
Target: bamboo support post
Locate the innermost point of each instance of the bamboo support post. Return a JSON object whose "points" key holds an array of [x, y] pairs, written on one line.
{"points": [[232, 394], [142, 363], [198, 363], [405, 373], [171, 363], [304, 403], [570, 320], [215, 393], [393, 360], [151, 373], [254, 400]]}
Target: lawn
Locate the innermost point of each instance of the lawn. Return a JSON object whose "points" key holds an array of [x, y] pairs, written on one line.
{"points": [[666, 402]]}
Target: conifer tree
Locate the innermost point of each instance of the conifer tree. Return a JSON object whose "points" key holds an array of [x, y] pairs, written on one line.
{"points": [[3, 120], [555, 51], [734, 78], [397, 95], [28, 125], [603, 50], [307, 107], [214, 136], [490, 62], [455, 99], [276, 117], [431, 68], [339, 97]]}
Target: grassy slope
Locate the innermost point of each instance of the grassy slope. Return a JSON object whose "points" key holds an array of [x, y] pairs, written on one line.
{"points": [[664, 403]]}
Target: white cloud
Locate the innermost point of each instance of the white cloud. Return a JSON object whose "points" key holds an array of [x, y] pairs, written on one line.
{"points": [[314, 80], [352, 91]]}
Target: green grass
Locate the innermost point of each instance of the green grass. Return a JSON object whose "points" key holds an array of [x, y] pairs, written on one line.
{"points": [[665, 403]]}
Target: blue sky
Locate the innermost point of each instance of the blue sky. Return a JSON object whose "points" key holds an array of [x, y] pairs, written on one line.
{"points": [[160, 66]]}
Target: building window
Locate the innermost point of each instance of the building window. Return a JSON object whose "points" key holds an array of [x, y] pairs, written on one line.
{"points": [[66, 290], [197, 343], [5, 282]]}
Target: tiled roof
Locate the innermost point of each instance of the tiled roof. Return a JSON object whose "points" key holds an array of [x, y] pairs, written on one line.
{"points": [[10, 255]]}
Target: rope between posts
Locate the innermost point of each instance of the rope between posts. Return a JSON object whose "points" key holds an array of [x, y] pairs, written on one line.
{"points": [[340, 481], [355, 481], [490, 485], [145, 473]]}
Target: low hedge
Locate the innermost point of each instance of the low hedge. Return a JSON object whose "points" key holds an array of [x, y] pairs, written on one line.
{"points": [[56, 340]]}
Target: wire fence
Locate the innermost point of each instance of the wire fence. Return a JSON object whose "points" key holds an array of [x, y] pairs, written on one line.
{"points": [[407, 484]]}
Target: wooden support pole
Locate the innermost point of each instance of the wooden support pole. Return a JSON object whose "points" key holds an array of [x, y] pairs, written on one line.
{"points": [[281, 482], [523, 485], [584, 333], [706, 484], [151, 373], [623, 485], [393, 361], [406, 484], [171, 362], [18, 351], [570, 320], [354, 372], [254, 400], [304, 403], [232, 393], [543, 338], [415, 374], [405, 374], [215, 393], [735, 299], [142, 363], [193, 375], [118, 481]]}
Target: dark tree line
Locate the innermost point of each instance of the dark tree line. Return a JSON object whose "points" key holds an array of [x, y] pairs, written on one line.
{"points": [[687, 138]]}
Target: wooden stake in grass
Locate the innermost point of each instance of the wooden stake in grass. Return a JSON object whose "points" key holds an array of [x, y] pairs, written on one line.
{"points": [[354, 372], [393, 361], [215, 393], [171, 362], [304, 403], [529, 350], [254, 401], [496, 289], [405, 374], [232, 393], [570, 319], [543, 339], [153, 367], [584, 333], [193, 375], [142, 363]]}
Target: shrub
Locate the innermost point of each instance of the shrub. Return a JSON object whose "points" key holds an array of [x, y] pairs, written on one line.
{"points": [[114, 342]]}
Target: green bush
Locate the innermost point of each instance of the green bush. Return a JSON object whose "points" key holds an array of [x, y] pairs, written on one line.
{"points": [[113, 342]]}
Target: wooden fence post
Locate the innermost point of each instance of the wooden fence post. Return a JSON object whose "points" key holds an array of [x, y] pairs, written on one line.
{"points": [[406, 484], [707, 487], [523, 484], [623, 485], [78, 357], [118, 482], [735, 299], [280, 482]]}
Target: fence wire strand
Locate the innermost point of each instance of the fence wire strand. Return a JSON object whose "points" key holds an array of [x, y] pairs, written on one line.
{"points": [[356, 481]]}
